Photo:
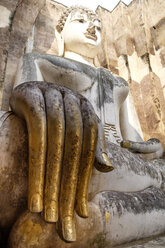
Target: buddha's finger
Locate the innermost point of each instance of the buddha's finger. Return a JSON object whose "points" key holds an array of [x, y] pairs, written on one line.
{"points": [[27, 102], [90, 134], [153, 146], [72, 152], [56, 130], [102, 162]]}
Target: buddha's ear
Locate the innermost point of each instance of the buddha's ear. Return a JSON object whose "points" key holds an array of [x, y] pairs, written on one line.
{"points": [[60, 43]]}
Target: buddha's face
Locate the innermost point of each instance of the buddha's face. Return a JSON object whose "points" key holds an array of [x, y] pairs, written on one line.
{"points": [[82, 34]]}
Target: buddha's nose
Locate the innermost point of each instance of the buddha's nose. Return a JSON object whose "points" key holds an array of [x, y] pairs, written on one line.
{"points": [[91, 28]]}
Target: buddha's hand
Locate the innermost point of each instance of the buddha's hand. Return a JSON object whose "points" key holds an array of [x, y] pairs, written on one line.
{"points": [[149, 149], [63, 132]]}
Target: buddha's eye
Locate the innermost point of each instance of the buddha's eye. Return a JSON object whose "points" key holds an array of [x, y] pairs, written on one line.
{"points": [[98, 28], [81, 20]]}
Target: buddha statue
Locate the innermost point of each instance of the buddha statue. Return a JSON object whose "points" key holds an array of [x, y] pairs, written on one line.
{"points": [[76, 117]]}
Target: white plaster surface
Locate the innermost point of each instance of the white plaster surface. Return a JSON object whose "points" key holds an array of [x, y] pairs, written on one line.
{"points": [[121, 179], [136, 64], [157, 67], [130, 226], [122, 68], [4, 17], [133, 118], [156, 242]]}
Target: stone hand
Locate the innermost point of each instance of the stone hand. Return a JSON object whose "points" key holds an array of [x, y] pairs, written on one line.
{"points": [[63, 132], [149, 149]]}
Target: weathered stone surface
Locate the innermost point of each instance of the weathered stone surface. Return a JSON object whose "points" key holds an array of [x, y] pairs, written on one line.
{"points": [[154, 242], [5, 17], [7, 11], [13, 171], [132, 47], [23, 16], [150, 105], [44, 32]]}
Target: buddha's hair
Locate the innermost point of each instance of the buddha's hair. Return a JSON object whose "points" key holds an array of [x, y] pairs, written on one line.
{"points": [[65, 14]]}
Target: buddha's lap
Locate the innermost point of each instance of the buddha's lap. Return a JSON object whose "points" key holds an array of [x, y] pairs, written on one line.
{"points": [[131, 173]]}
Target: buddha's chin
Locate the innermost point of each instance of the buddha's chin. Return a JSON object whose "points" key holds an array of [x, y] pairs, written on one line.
{"points": [[90, 51], [88, 48], [91, 43]]}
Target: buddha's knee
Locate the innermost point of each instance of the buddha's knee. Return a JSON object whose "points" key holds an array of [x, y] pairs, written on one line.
{"points": [[30, 230]]}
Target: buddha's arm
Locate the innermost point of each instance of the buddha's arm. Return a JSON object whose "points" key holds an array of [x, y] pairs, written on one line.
{"points": [[28, 69], [131, 138], [127, 130]]}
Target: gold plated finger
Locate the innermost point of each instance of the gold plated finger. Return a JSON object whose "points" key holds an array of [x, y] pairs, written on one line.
{"points": [[73, 142], [102, 162], [56, 130], [90, 132], [27, 101]]}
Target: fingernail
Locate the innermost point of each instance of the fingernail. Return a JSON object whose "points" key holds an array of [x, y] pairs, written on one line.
{"points": [[82, 208], [125, 144], [50, 214], [106, 160], [36, 204], [68, 229]]}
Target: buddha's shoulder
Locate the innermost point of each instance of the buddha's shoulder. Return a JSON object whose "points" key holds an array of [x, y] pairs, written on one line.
{"points": [[54, 59], [62, 62], [112, 79]]}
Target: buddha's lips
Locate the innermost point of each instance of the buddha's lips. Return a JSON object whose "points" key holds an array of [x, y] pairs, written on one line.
{"points": [[91, 36]]}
